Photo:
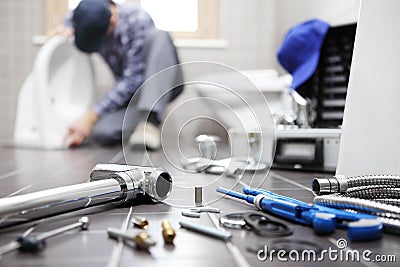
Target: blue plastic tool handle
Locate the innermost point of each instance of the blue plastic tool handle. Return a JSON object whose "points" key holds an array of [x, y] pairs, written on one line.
{"points": [[324, 220], [361, 227], [342, 216], [364, 230], [254, 192]]}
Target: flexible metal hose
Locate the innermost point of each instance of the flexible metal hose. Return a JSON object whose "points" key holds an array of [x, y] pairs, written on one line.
{"points": [[374, 194], [364, 205], [373, 180], [395, 202], [340, 183], [377, 193], [390, 225]]}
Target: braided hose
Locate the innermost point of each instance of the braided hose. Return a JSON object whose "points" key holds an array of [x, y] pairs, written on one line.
{"points": [[395, 202], [373, 193], [372, 180], [340, 183], [390, 225], [341, 202]]}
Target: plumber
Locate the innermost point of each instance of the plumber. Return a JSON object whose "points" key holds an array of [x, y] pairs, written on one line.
{"points": [[126, 37]]}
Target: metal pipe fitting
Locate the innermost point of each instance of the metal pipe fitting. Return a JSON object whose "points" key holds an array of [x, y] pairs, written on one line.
{"points": [[322, 186], [142, 240], [140, 222], [109, 183], [168, 232], [152, 181], [198, 196]]}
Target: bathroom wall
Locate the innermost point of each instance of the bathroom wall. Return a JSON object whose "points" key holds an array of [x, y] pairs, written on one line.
{"points": [[19, 21], [248, 27], [251, 30]]}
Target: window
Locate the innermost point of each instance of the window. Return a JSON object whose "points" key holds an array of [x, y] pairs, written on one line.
{"points": [[74, 3], [55, 13], [173, 15], [183, 18]]}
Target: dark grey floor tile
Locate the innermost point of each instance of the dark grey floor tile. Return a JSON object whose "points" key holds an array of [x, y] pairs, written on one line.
{"points": [[23, 171]]}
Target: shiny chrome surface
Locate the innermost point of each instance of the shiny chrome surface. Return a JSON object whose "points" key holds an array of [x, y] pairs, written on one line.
{"points": [[106, 186], [373, 194], [92, 191]]}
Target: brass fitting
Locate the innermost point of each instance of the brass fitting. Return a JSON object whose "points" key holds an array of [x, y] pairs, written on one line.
{"points": [[168, 232], [140, 222], [143, 241]]}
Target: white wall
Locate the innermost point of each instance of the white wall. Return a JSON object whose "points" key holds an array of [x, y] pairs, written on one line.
{"points": [[249, 29], [20, 20]]}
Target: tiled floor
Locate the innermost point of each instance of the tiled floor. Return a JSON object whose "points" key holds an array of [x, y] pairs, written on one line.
{"points": [[24, 171]]}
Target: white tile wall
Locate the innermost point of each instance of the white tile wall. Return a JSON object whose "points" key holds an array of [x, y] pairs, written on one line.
{"points": [[20, 20]]}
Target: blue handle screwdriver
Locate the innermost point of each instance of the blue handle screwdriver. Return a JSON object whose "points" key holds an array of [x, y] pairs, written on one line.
{"points": [[324, 220]]}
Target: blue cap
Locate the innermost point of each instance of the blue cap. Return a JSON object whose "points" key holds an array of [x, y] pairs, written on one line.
{"points": [[91, 19], [299, 53]]}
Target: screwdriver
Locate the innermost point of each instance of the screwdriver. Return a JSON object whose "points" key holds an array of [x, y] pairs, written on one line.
{"points": [[37, 243]]}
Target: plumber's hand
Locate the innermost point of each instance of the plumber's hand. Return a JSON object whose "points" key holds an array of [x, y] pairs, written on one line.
{"points": [[60, 30], [81, 129]]}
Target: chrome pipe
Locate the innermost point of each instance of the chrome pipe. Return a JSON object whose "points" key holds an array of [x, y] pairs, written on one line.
{"points": [[109, 183], [89, 191]]}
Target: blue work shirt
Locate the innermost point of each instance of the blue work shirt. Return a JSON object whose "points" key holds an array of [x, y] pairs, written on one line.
{"points": [[123, 52]]}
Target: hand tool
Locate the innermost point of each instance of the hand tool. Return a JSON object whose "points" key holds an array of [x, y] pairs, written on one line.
{"points": [[361, 227], [37, 243], [142, 240], [168, 232], [222, 235], [109, 183]]}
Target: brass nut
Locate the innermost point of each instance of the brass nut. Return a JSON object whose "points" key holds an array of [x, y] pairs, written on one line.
{"points": [[168, 232]]}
